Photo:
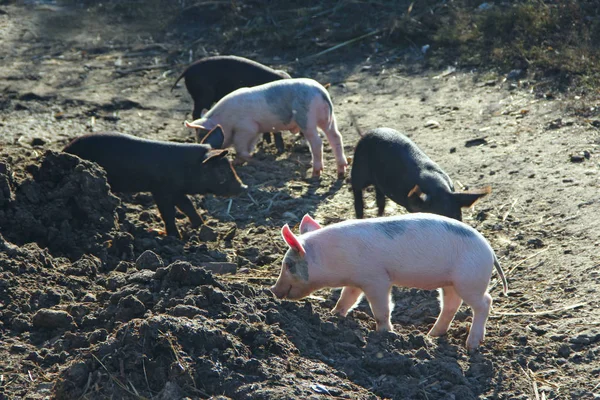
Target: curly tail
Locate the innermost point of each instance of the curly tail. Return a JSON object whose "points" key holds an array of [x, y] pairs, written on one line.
{"points": [[501, 273], [178, 79]]}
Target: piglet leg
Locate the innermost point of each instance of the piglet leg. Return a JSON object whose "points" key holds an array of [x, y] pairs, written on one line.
{"points": [[379, 299], [337, 145], [244, 143], [380, 198], [166, 207], [185, 205], [349, 298], [279, 145], [450, 301], [481, 310], [316, 149]]}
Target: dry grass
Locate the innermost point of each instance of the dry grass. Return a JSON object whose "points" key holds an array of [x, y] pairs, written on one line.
{"points": [[549, 37]]}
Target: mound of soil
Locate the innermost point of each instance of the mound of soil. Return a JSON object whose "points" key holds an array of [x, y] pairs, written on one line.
{"points": [[178, 330], [65, 205]]}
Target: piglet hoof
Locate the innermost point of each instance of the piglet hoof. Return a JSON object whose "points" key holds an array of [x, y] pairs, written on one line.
{"points": [[384, 327], [436, 332], [341, 171], [473, 344], [339, 311], [316, 175]]}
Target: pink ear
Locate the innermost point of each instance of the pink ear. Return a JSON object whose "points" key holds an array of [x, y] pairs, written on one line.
{"points": [[308, 224], [193, 125], [292, 240]]}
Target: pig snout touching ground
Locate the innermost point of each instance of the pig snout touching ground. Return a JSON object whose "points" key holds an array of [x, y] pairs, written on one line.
{"points": [[420, 250], [398, 169], [170, 171], [290, 104], [208, 80]]}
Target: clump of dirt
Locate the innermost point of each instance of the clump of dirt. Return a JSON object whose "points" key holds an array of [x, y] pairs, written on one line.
{"points": [[65, 205], [179, 330]]}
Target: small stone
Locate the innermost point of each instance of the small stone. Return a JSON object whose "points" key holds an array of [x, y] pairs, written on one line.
{"points": [[38, 142], [540, 331], [577, 158], [557, 123], [220, 267], [18, 348], [207, 234], [230, 233], [182, 310], [89, 298], [564, 351], [515, 74], [149, 260], [476, 142], [452, 150], [78, 373], [432, 124], [99, 335], [129, 307], [51, 319], [143, 276], [123, 266], [558, 338]]}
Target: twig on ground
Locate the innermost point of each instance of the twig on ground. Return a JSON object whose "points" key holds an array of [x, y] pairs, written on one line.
{"points": [[241, 277], [229, 207], [115, 380], [271, 201], [87, 386], [509, 209], [252, 198], [539, 313], [142, 68], [145, 374], [337, 46], [534, 383]]}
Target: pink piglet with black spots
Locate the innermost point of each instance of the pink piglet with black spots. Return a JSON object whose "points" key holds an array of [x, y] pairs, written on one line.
{"points": [[296, 105], [369, 256]]}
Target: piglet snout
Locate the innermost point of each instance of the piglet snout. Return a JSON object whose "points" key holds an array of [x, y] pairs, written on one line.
{"points": [[280, 294]]}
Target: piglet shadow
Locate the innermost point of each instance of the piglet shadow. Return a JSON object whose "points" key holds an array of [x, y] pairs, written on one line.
{"points": [[403, 364]]}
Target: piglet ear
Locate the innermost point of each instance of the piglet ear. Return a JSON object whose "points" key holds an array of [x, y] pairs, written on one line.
{"points": [[416, 195], [214, 138], [467, 199], [214, 155], [292, 240], [308, 224], [194, 124]]}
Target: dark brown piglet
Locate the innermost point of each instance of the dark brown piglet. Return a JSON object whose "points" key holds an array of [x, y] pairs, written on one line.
{"points": [[400, 170], [208, 80], [168, 170]]}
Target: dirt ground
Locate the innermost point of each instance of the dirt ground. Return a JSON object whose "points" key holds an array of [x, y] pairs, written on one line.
{"points": [[95, 303]]}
